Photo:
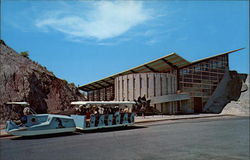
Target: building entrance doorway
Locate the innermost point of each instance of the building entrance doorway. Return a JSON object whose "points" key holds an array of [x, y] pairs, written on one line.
{"points": [[197, 104]]}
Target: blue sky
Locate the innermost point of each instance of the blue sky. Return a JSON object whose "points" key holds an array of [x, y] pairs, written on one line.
{"points": [[83, 41]]}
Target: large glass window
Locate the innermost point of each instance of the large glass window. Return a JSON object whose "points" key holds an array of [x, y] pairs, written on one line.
{"points": [[201, 79]]}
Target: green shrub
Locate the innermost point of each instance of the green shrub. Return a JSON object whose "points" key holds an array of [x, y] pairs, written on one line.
{"points": [[25, 54], [65, 81]]}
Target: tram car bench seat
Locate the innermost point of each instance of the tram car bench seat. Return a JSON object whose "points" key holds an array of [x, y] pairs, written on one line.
{"points": [[110, 119], [101, 121], [117, 118], [92, 120], [125, 119]]}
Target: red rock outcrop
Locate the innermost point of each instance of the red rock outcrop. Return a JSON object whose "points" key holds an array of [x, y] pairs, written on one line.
{"points": [[21, 79]]}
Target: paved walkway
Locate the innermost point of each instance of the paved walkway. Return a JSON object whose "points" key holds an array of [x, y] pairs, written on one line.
{"points": [[154, 118]]}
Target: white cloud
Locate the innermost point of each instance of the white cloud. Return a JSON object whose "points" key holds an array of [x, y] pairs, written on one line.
{"points": [[152, 41], [107, 19]]}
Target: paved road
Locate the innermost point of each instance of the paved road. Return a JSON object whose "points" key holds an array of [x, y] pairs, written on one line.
{"points": [[217, 139]]}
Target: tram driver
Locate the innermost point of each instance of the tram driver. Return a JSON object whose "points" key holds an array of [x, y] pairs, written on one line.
{"points": [[26, 112]]}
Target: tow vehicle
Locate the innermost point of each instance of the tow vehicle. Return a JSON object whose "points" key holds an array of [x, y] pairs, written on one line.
{"points": [[39, 124]]}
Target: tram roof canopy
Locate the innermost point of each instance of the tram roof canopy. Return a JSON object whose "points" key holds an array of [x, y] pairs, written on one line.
{"points": [[102, 102], [18, 103], [160, 65]]}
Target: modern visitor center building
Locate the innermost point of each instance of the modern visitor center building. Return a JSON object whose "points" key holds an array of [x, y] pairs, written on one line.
{"points": [[173, 84]]}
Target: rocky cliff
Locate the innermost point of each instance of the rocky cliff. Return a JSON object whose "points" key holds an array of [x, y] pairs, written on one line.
{"points": [[239, 107], [231, 96], [22, 79]]}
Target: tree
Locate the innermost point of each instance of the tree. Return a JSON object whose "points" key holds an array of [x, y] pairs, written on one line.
{"points": [[25, 54]]}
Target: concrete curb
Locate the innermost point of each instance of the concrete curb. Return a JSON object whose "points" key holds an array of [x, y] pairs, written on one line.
{"points": [[148, 121]]}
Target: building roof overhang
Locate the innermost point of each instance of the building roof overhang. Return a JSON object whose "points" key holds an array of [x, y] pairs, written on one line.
{"points": [[207, 58], [160, 65]]}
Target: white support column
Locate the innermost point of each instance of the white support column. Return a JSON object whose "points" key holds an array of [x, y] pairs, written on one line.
{"points": [[130, 77], [115, 89], [173, 84], [144, 84], [169, 84], [137, 85], [125, 92], [121, 89], [151, 85], [158, 85], [164, 84], [118, 88]]}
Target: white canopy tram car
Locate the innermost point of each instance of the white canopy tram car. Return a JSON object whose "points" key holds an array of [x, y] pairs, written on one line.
{"points": [[104, 114]]}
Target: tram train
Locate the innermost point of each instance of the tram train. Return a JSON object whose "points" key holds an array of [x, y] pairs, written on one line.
{"points": [[41, 124]]}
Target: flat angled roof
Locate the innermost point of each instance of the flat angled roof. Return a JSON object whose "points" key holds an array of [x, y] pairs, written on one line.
{"points": [[163, 64], [207, 58]]}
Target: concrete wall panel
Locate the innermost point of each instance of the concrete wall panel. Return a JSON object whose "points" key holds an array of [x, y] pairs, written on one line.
{"points": [[158, 87], [149, 84], [137, 85], [125, 90], [169, 84], [130, 86], [144, 85], [164, 84]]}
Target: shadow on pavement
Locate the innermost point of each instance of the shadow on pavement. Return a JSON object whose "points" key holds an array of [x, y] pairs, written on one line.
{"points": [[79, 132], [46, 136], [111, 129]]}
